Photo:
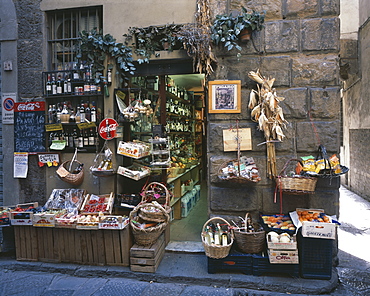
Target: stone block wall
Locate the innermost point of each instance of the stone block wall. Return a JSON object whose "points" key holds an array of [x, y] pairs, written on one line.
{"points": [[299, 47], [30, 57]]}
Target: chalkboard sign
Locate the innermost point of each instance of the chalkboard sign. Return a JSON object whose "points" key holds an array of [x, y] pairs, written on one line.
{"points": [[29, 127]]}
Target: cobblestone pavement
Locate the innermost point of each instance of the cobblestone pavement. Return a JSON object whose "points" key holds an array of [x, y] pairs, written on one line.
{"points": [[187, 275]]}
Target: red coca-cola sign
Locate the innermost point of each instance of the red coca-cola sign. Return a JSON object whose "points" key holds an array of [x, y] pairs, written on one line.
{"points": [[29, 106], [108, 128]]}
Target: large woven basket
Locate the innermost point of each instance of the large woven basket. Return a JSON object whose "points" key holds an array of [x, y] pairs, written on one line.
{"points": [[65, 175], [237, 179], [295, 184], [216, 251], [149, 212], [250, 242], [147, 236]]}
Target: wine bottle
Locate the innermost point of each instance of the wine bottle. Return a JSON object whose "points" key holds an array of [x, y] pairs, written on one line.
{"points": [[53, 85], [85, 138], [50, 114], [78, 115], [87, 112], [65, 85], [93, 112], [82, 112], [91, 137], [48, 86], [59, 86]]}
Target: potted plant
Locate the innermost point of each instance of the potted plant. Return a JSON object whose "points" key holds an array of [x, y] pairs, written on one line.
{"points": [[196, 41], [248, 22], [227, 28]]}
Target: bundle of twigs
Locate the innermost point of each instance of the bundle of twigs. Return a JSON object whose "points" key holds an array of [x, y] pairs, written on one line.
{"points": [[264, 104]]}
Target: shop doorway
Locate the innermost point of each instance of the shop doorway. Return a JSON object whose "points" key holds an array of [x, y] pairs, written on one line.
{"points": [[178, 103]]}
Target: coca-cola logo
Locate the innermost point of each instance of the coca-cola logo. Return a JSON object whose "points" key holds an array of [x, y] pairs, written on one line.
{"points": [[31, 106], [107, 129]]}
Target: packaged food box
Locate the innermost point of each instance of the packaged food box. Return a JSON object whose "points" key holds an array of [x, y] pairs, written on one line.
{"points": [[133, 149], [43, 220], [135, 172], [87, 222], [315, 223], [282, 241], [283, 256], [113, 222], [94, 204]]}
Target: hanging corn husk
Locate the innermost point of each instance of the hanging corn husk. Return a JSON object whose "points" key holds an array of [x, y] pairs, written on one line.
{"points": [[264, 104]]}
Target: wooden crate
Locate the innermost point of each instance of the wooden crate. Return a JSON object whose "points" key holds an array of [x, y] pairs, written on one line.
{"points": [[148, 258], [117, 246], [26, 243], [48, 249]]}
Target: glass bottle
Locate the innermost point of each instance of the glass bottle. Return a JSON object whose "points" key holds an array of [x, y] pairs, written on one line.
{"points": [[85, 137], [65, 85], [82, 112], [75, 138], [59, 86], [53, 85], [48, 86], [87, 112], [50, 114], [78, 115], [91, 137], [93, 112]]}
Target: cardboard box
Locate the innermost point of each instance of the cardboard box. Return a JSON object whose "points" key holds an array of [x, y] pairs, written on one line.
{"points": [[319, 230], [313, 229], [283, 256], [43, 220], [94, 204], [21, 218], [83, 224], [135, 172], [133, 149], [113, 222], [282, 246]]}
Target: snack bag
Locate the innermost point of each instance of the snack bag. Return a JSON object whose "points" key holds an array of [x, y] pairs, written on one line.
{"points": [[308, 163]]}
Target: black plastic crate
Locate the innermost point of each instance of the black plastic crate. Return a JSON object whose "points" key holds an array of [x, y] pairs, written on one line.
{"points": [[262, 265], [315, 257], [235, 262]]}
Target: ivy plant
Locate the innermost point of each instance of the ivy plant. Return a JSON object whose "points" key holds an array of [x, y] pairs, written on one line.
{"points": [[96, 47]]}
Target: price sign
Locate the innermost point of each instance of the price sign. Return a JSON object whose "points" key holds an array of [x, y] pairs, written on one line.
{"points": [[108, 128]]}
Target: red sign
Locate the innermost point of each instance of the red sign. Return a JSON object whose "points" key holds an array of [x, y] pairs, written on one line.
{"points": [[108, 128], [29, 106]]}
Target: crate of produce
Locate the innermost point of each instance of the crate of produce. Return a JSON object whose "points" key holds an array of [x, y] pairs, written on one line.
{"points": [[147, 258], [67, 220], [134, 149], [113, 222], [262, 265], [315, 223], [95, 204], [315, 257], [4, 216], [234, 262], [21, 218], [65, 199], [87, 222], [279, 223], [135, 172], [283, 241]]}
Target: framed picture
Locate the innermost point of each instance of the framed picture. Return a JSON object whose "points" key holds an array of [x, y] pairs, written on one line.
{"points": [[224, 96]]}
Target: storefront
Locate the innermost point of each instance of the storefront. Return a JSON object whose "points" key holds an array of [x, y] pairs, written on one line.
{"points": [[158, 128]]}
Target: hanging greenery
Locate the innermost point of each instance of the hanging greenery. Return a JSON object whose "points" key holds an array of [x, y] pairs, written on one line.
{"points": [[95, 48]]}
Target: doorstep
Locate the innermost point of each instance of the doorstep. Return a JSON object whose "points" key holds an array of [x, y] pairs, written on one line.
{"points": [[185, 247]]}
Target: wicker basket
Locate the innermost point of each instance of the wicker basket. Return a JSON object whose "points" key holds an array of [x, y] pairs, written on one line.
{"points": [[237, 179], [250, 242], [149, 213], [217, 251], [147, 236], [328, 172], [295, 184], [65, 175]]}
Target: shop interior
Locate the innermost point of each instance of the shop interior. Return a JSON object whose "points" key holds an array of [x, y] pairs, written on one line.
{"points": [[184, 126]]}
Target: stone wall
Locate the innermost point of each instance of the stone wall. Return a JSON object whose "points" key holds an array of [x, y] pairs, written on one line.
{"points": [[30, 65], [299, 47], [354, 72]]}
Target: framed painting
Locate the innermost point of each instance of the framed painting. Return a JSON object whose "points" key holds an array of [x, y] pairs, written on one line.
{"points": [[224, 96]]}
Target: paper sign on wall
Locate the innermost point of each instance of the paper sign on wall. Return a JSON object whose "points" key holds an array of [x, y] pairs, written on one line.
{"points": [[20, 164], [230, 139]]}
